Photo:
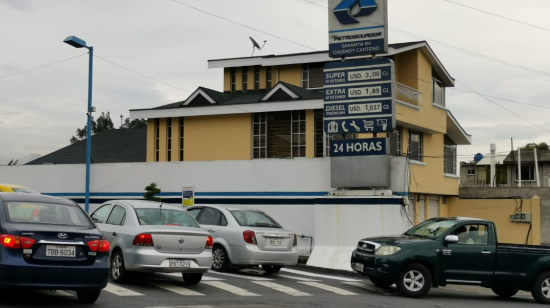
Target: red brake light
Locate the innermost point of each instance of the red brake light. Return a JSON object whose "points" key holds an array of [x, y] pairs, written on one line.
{"points": [[143, 239], [104, 246], [249, 237], [209, 242], [93, 245], [26, 242], [295, 240], [10, 241]]}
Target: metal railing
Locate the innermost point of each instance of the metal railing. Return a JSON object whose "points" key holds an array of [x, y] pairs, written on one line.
{"points": [[408, 95]]}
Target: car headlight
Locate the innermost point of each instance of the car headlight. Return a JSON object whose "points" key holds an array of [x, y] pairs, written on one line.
{"points": [[387, 250]]}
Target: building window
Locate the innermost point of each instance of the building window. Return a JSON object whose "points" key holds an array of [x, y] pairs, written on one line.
{"points": [[299, 133], [269, 77], [396, 142], [279, 134], [181, 138], [233, 77], [471, 171], [312, 75], [305, 76], [527, 172], [256, 78], [169, 142], [449, 160], [245, 78], [438, 93], [157, 139], [259, 146], [415, 146]]}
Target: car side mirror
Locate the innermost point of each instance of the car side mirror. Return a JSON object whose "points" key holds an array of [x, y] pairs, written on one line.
{"points": [[451, 239]]}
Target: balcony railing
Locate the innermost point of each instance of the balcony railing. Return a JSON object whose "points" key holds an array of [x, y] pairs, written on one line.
{"points": [[409, 95]]}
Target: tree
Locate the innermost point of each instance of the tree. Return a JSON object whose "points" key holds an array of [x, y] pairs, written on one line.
{"points": [[103, 123], [150, 191], [540, 147], [135, 123]]}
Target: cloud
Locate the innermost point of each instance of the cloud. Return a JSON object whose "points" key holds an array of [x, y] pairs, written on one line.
{"points": [[20, 5]]}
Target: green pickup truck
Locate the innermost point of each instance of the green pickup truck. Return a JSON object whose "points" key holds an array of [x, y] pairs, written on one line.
{"points": [[444, 251]]}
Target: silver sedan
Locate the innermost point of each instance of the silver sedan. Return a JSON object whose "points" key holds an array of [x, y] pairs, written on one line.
{"points": [[245, 237], [148, 236]]}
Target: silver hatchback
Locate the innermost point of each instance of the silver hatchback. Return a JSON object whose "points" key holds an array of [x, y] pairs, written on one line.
{"points": [[150, 236], [245, 237]]}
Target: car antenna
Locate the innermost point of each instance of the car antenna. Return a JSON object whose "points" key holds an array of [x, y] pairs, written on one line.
{"points": [[160, 208]]}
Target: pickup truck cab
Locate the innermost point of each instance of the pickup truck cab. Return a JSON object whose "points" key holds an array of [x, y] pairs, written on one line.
{"points": [[456, 250]]}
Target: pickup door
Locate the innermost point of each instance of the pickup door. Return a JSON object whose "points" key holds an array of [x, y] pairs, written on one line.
{"points": [[472, 259]]}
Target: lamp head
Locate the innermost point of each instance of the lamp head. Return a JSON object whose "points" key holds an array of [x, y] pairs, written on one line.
{"points": [[75, 42]]}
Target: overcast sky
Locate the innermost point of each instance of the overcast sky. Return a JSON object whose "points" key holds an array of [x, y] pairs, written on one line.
{"points": [[41, 109]]}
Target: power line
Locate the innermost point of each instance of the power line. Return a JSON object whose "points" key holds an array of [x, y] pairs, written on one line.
{"points": [[242, 25], [138, 73], [496, 15], [42, 66], [503, 99], [517, 115]]}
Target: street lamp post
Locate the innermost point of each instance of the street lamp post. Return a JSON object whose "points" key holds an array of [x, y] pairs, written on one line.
{"points": [[78, 43]]}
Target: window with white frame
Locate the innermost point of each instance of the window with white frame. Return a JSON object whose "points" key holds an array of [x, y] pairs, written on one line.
{"points": [[396, 142], [299, 133], [233, 77], [245, 78], [169, 141], [527, 172], [259, 129], [157, 139], [279, 134], [305, 76], [415, 146], [181, 130], [449, 161], [471, 171], [269, 77], [438, 93], [312, 75], [256, 78]]}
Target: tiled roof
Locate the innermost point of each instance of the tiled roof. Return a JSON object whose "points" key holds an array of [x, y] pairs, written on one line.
{"points": [[110, 146], [528, 156]]}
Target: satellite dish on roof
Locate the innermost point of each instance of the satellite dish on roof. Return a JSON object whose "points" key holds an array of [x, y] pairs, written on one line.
{"points": [[255, 45], [478, 157]]}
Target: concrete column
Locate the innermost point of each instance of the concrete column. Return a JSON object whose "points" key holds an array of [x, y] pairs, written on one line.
{"points": [[536, 231], [493, 151], [416, 210], [519, 167], [426, 206]]}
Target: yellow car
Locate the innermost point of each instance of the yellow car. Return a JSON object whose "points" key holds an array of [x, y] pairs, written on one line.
{"points": [[8, 188]]}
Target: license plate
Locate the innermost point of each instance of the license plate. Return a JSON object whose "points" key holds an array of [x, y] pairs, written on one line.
{"points": [[60, 251], [176, 263], [359, 267], [275, 242]]}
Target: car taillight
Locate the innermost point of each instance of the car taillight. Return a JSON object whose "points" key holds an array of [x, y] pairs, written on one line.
{"points": [[144, 239], [26, 242], [249, 237], [209, 242], [295, 241], [10, 241], [99, 245]]}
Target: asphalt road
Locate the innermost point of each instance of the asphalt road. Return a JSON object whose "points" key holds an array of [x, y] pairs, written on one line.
{"points": [[295, 287]]}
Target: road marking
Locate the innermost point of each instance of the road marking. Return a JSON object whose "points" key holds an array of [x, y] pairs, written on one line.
{"points": [[293, 277], [369, 287], [281, 288], [204, 278], [328, 288], [120, 291], [176, 289], [229, 288], [317, 275], [243, 276], [56, 293]]}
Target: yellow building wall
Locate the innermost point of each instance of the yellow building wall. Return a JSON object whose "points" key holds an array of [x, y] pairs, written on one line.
{"points": [[175, 139], [263, 77], [163, 138], [310, 136], [290, 74], [250, 78], [227, 79], [238, 79], [150, 154], [220, 137], [499, 211]]}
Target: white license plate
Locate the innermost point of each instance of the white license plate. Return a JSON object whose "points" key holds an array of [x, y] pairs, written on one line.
{"points": [[275, 242], [359, 267], [60, 251], [176, 263]]}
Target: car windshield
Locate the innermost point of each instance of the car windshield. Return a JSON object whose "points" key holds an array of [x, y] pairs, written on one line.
{"points": [[46, 213], [166, 217], [431, 229], [22, 190], [254, 219]]}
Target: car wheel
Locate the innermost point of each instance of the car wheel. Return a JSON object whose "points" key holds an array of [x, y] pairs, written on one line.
{"points": [[118, 270], [541, 288], [414, 281], [380, 282], [504, 292], [271, 269], [220, 260], [87, 296], [191, 278]]}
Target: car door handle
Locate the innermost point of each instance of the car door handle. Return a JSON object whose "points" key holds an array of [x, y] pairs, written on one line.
{"points": [[211, 230], [485, 252], [114, 233]]}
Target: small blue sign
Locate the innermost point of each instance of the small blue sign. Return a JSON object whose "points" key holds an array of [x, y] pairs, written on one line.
{"points": [[358, 126], [340, 110], [343, 48], [337, 74], [378, 90], [359, 147]]}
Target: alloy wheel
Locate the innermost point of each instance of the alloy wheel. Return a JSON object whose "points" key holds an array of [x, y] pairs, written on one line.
{"points": [[546, 288], [117, 264], [218, 258], [414, 281]]}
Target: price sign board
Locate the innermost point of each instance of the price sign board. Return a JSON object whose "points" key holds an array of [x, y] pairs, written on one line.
{"points": [[359, 96]]}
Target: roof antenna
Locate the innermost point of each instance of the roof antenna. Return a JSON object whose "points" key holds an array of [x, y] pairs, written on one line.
{"points": [[255, 45], [160, 208]]}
